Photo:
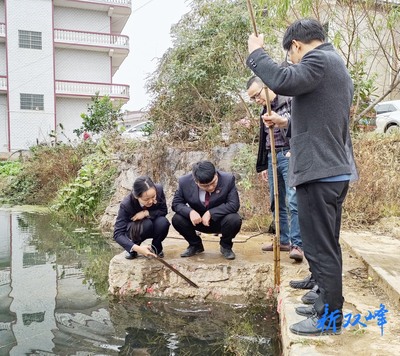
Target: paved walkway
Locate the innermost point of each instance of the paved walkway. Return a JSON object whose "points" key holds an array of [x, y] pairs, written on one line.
{"points": [[371, 277]]}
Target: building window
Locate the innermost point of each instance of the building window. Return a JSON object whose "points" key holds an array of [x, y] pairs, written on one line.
{"points": [[30, 39], [32, 102]]}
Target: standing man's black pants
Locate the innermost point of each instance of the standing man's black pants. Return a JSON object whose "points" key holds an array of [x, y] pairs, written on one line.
{"points": [[320, 214]]}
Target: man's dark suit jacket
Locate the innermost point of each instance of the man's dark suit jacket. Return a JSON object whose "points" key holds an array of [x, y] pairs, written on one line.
{"points": [[130, 206], [223, 201]]}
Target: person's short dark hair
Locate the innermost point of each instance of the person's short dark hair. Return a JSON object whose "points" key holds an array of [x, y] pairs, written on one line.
{"points": [[304, 30], [203, 172], [252, 80], [142, 184]]}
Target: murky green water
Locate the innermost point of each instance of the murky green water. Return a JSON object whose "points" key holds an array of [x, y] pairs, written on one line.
{"points": [[53, 301]]}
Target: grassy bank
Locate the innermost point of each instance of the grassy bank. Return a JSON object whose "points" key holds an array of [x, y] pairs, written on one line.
{"points": [[78, 181]]}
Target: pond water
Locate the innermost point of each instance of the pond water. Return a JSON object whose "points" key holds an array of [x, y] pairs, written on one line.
{"points": [[54, 301]]}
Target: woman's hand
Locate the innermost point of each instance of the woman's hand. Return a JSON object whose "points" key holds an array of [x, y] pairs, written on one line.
{"points": [[140, 215], [144, 250]]}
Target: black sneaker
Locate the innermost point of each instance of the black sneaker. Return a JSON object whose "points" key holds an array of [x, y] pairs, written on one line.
{"points": [[306, 310], [310, 327], [311, 296], [193, 250], [161, 254], [131, 255], [227, 253], [306, 283]]}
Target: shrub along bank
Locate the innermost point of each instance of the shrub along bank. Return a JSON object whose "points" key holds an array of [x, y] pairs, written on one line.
{"points": [[72, 181], [79, 181]]}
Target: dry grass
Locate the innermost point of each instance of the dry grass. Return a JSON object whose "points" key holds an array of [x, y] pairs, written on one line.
{"points": [[373, 198], [255, 205], [44, 173], [376, 194]]}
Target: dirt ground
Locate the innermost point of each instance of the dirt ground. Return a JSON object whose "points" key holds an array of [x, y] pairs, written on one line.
{"points": [[389, 226]]}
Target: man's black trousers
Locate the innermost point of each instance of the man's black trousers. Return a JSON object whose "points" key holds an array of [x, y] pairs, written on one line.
{"points": [[320, 214]]}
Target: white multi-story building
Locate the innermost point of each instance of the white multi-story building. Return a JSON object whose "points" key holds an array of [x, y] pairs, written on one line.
{"points": [[54, 56]]}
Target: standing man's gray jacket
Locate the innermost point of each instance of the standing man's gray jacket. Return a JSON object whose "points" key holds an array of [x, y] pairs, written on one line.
{"points": [[315, 125]]}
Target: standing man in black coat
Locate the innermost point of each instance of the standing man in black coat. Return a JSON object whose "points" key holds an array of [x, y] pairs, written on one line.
{"points": [[207, 200], [322, 162]]}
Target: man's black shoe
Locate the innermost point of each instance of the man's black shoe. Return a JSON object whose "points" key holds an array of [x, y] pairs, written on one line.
{"points": [[227, 253], [311, 296], [193, 250], [309, 327], [161, 254], [306, 283], [131, 255], [306, 310]]}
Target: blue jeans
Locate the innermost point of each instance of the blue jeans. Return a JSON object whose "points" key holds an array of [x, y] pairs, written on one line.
{"points": [[288, 216]]}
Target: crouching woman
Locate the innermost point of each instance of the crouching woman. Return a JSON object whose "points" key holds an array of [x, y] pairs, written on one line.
{"points": [[142, 216]]}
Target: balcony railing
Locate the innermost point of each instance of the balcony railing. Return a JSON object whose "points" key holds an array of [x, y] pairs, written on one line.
{"points": [[106, 2], [3, 83], [91, 38], [70, 88], [113, 2], [2, 30]]}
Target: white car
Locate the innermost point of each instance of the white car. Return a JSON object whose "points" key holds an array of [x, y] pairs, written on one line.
{"points": [[388, 116], [138, 131]]}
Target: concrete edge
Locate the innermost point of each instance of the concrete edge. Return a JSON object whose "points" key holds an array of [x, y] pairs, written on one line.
{"points": [[377, 274], [293, 345]]}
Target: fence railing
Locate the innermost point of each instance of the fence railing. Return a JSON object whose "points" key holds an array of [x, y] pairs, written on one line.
{"points": [[111, 2], [64, 87], [91, 38], [115, 2]]}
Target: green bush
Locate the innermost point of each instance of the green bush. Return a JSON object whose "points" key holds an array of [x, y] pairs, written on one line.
{"points": [[102, 116], [10, 168], [82, 198]]}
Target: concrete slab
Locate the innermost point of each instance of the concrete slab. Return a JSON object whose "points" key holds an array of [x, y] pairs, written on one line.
{"points": [[381, 254], [370, 277]]}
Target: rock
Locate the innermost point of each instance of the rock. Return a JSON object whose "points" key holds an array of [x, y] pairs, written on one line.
{"points": [[168, 167], [238, 282]]}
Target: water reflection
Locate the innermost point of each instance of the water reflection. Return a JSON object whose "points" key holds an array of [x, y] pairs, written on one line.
{"points": [[53, 301], [160, 328], [52, 283]]}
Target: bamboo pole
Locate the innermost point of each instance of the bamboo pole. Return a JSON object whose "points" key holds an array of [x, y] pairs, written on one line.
{"points": [[165, 263], [276, 242]]}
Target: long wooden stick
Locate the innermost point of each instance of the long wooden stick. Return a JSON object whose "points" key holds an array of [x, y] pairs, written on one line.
{"points": [[177, 272], [276, 243]]}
